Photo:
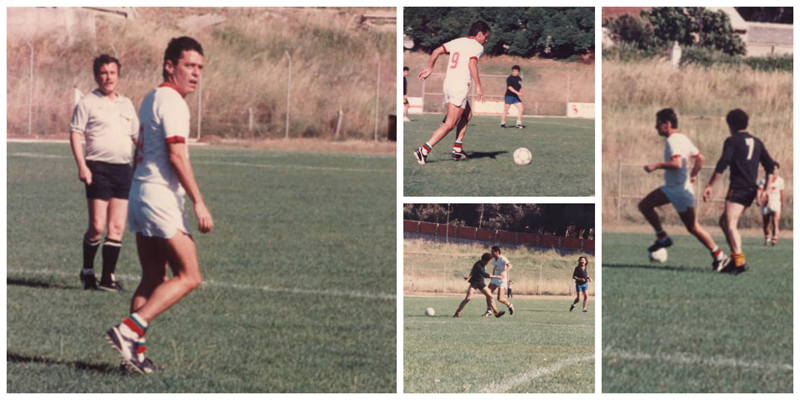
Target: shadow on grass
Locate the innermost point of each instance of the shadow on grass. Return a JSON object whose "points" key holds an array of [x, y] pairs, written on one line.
{"points": [[658, 267], [35, 283], [77, 365], [491, 154]]}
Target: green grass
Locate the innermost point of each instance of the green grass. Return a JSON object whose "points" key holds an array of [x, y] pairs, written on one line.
{"points": [[678, 327], [298, 237], [542, 348], [563, 158]]}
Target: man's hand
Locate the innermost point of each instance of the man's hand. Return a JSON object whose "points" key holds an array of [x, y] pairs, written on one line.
{"points": [[707, 193], [479, 94], [424, 74], [204, 221], [693, 179], [85, 175], [650, 167]]}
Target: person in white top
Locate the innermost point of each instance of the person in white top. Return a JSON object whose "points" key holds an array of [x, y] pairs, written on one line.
{"points": [[772, 205], [462, 71], [108, 123], [677, 189], [163, 174], [500, 267]]}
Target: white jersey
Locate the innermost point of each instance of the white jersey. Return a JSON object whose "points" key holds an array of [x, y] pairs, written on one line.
{"points": [[165, 120], [461, 50], [678, 145], [773, 190], [500, 265], [109, 127]]}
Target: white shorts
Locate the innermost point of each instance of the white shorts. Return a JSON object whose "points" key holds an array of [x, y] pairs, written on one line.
{"points": [[156, 211], [771, 208], [500, 283], [681, 198], [456, 92]]}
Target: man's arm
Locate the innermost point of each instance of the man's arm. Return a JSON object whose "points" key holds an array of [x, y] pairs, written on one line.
{"points": [[675, 163], [84, 174], [179, 160], [698, 165], [575, 277], [431, 62], [473, 70], [709, 185]]}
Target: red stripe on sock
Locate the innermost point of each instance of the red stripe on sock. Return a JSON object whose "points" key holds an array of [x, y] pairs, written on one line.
{"points": [[134, 327], [141, 349]]}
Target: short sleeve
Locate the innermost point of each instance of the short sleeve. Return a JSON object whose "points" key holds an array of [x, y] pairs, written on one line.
{"points": [[175, 119], [134, 121], [670, 151], [479, 53], [692, 149], [781, 184], [449, 46], [80, 117]]}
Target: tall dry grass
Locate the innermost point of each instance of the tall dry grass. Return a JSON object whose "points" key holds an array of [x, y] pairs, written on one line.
{"points": [[433, 267], [634, 92], [333, 66]]}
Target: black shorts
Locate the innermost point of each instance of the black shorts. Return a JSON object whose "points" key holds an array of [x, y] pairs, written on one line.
{"points": [[109, 180], [743, 196], [479, 285]]}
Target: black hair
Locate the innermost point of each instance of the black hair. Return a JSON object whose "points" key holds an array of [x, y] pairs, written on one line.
{"points": [[516, 67], [175, 50], [496, 248], [478, 27], [737, 119], [104, 59], [668, 115], [579, 260], [405, 68], [486, 257]]}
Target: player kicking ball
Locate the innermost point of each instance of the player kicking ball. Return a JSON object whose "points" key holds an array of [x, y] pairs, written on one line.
{"points": [[476, 279], [771, 205], [462, 70], [501, 266], [677, 188], [582, 279], [162, 176], [743, 153]]}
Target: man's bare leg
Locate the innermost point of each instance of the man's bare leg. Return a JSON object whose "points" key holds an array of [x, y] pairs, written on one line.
{"points": [[505, 112], [520, 110], [733, 211], [154, 270], [585, 299], [465, 301], [466, 116], [453, 115], [648, 205]]}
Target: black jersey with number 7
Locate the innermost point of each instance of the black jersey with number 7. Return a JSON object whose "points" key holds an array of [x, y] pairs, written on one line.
{"points": [[743, 152]]}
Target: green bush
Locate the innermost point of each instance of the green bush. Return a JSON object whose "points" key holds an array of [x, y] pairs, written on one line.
{"points": [[708, 58]]}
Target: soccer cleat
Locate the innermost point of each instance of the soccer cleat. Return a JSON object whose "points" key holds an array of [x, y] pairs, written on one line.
{"points": [[659, 244], [406, 119], [112, 286], [420, 156], [734, 270], [572, 307], [719, 265], [584, 310], [456, 315], [148, 366], [458, 155], [520, 126], [126, 348], [500, 314], [503, 126], [510, 309], [88, 281], [488, 313], [774, 241]]}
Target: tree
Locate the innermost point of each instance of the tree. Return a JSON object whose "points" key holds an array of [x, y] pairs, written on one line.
{"points": [[693, 26]]}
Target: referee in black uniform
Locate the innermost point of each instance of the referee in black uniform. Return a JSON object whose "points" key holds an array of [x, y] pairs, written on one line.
{"points": [[743, 153], [477, 281]]}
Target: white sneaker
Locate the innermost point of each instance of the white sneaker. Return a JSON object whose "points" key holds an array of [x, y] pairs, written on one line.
{"points": [[406, 119]]}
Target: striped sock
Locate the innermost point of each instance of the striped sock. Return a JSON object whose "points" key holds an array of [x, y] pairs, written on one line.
{"points": [[457, 146], [111, 249], [426, 148], [89, 251], [716, 253], [135, 325]]}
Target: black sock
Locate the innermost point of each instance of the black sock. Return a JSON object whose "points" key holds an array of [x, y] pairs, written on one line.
{"points": [[89, 251], [111, 250]]}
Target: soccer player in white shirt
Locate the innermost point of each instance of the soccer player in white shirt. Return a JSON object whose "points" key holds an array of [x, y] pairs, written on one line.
{"points": [[500, 267], [163, 174], [678, 188], [771, 204], [462, 71], [108, 123]]}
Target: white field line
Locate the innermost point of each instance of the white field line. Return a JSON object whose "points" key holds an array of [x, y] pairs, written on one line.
{"points": [[235, 286], [567, 125], [694, 359], [235, 164], [507, 384], [192, 142]]}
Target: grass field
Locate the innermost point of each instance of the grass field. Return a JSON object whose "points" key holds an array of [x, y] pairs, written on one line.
{"points": [[542, 348], [678, 327], [563, 158], [299, 279]]}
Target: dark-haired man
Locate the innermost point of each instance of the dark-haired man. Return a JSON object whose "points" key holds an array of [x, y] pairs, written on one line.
{"points": [[678, 187], [462, 71], [476, 279], [743, 153], [500, 267], [108, 123], [513, 97], [163, 175]]}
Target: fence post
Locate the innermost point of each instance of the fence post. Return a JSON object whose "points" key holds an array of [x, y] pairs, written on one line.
{"points": [[250, 120], [30, 93], [200, 108], [288, 92], [567, 105], [339, 121], [619, 187], [377, 93]]}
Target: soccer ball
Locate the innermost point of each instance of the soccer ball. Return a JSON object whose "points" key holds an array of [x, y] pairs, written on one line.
{"points": [[659, 256], [522, 156], [430, 312]]}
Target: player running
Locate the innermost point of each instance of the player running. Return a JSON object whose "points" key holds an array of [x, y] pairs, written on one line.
{"points": [[501, 266], [476, 282], [107, 120], [582, 279], [741, 152], [771, 206], [405, 98], [462, 70], [513, 97], [163, 175], [678, 187]]}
